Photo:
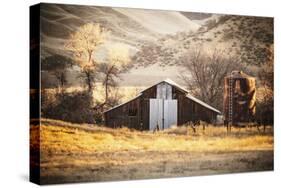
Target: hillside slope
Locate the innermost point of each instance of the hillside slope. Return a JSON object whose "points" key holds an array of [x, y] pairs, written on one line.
{"points": [[156, 39], [246, 37], [128, 26]]}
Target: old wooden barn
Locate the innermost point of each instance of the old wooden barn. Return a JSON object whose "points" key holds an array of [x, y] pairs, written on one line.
{"points": [[161, 105]]}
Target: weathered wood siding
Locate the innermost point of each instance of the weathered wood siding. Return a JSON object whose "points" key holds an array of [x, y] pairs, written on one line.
{"points": [[144, 116], [135, 113], [150, 93], [124, 115], [188, 110]]}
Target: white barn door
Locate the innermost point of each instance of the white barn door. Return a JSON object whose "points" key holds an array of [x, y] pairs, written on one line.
{"points": [[170, 113], [160, 111], [155, 113]]}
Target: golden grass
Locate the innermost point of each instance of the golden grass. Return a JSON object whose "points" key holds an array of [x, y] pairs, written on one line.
{"points": [[81, 152], [62, 137]]}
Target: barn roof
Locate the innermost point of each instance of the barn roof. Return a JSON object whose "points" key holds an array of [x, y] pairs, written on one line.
{"points": [[202, 103], [123, 103], [171, 82]]}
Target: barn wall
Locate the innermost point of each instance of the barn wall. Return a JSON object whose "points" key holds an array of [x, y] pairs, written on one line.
{"points": [[188, 110], [185, 110], [124, 115], [135, 114], [177, 94], [144, 116], [150, 93]]}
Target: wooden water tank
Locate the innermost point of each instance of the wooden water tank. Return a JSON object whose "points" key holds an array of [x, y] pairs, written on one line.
{"points": [[239, 98]]}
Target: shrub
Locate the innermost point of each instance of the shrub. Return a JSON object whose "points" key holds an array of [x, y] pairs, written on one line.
{"points": [[74, 107], [264, 112]]}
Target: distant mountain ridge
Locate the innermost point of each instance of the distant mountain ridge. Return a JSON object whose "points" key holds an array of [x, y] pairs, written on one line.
{"points": [[246, 37], [156, 39], [132, 27]]}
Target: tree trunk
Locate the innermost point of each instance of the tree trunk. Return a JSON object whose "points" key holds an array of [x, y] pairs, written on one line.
{"points": [[90, 56], [89, 82], [62, 81], [106, 82], [106, 88]]}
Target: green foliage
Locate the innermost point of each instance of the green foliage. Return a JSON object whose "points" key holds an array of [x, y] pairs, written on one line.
{"points": [[265, 112], [74, 107], [55, 63]]}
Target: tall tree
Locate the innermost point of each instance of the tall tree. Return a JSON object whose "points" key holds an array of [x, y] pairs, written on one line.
{"points": [[117, 62], [204, 71], [266, 72], [265, 100], [83, 43], [57, 65]]}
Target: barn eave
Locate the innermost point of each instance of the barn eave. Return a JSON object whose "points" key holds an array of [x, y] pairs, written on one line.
{"points": [[172, 83], [123, 103], [202, 103]]}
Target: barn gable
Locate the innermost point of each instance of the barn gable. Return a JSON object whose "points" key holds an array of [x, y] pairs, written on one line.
{"points": [[185, 92], [164, 101], [170, 82]]}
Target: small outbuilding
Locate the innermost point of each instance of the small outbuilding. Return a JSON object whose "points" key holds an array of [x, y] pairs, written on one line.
{"points": [[159, 107]]}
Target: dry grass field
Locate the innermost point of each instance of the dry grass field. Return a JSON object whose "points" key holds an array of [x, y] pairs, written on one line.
{"points": [[83, 152]]}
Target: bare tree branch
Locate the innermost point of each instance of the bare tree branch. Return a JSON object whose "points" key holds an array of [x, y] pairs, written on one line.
{"points": [[203, 73]]}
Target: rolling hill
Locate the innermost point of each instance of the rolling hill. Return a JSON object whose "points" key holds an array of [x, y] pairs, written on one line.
{"points": [[246, 37], [132, 27], [157, 39]]}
